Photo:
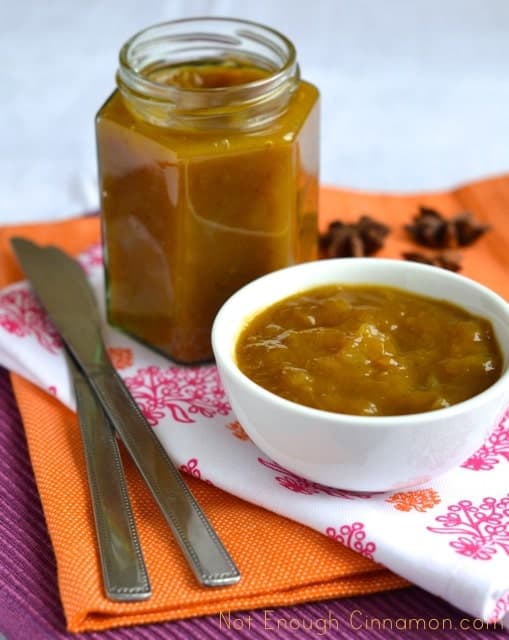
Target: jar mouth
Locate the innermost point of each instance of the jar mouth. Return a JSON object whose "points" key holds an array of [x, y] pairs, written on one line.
{"points": [[192, 40]]}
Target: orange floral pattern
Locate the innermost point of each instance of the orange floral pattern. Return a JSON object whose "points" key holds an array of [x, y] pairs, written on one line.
{"points": [[418, 500], [237, 430], [120, 358]]}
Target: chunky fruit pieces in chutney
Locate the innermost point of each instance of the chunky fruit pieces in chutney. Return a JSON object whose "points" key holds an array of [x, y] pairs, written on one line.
{"points": [[369, 350]]}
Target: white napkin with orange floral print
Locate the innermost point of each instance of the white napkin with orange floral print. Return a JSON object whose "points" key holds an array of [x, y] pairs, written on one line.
{"points": [[450, 536]]}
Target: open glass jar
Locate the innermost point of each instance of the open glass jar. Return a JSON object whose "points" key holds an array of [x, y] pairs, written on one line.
{"points": [[208, 169]]}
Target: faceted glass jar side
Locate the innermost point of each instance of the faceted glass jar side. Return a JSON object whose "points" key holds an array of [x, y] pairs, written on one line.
{"points": [[190, 214]]}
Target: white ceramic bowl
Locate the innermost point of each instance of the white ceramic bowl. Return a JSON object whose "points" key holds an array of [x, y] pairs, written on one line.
{"points": [[355, 452]]}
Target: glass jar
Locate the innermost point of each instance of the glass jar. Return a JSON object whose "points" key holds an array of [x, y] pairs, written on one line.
{"points": [[208, 169]]}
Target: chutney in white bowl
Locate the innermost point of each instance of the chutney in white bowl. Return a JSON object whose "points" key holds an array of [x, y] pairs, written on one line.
{"points": [[361, 452], [369, 350]]}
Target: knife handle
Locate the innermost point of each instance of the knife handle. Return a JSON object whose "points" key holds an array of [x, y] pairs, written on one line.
{"points": [[124, 573], [209, 560]]}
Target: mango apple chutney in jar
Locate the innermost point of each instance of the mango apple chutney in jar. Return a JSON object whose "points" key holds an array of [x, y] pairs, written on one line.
{"points": [[208, 169]]}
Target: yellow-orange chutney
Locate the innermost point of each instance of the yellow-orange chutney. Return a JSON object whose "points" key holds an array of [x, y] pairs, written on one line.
{"points": [[369, 350]]}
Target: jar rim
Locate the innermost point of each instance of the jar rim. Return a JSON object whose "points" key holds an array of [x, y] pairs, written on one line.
{"points": [[129, 72]]}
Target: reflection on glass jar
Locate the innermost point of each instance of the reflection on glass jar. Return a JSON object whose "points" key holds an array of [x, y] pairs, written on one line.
{"points": [[208, 166]]}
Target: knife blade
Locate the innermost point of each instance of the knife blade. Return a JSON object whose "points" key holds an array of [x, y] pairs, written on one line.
{"points": [[125, 577], [61, 286]]}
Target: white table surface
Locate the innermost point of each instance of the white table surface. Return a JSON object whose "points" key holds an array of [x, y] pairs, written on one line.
{"points": [[415, 93]]}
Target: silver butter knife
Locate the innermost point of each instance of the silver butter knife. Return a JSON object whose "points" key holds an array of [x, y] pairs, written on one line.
{"points": [[63, 289], [125, 577]]}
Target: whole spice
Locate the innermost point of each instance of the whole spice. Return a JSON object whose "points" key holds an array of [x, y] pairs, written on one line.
{"points": [[446, 259], [431, 229], [361, 238]]}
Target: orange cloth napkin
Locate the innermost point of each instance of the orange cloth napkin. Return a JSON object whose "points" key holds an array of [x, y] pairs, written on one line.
{"points": [[281, 562]]}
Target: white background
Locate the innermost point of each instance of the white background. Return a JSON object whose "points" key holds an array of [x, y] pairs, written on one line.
{"points": [[415, 92]]}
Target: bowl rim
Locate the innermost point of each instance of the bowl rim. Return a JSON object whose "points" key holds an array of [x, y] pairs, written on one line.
{"points": [[225, 355]]}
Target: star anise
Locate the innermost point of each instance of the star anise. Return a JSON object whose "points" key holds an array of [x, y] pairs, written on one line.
{"points": [[362, 238], [431, 229], [450, 260]]}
